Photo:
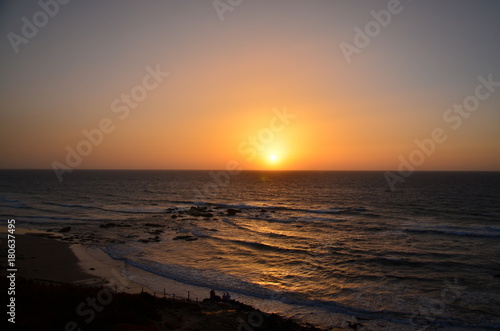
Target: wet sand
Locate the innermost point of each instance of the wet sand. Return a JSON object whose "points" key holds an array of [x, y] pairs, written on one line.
{"points": [[46, 259], [54, 278]]}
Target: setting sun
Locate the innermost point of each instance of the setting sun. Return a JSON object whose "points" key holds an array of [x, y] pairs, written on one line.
{"points": [[274, 160]]}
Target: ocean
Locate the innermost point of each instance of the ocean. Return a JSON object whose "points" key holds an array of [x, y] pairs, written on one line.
{"points": [[321, 246]]}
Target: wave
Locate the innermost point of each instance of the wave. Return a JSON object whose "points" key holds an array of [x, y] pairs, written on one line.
{"points": [[151, 209], [223, 282], [268, 234], [67, 206], [160, 207], [413, 264], [193, 276], [453, 233], [33, 208], [10, 200], [270, 208], [10, 203], [266, 247]]}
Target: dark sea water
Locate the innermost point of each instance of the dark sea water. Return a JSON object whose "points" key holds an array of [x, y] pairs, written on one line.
{"points": [[317, 246]]}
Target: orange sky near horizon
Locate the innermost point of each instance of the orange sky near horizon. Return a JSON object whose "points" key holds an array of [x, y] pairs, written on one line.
{"points": [[227, 80]]}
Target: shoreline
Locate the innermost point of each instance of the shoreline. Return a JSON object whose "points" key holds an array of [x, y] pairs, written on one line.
{"points": [[43, 258], [93, 260]]}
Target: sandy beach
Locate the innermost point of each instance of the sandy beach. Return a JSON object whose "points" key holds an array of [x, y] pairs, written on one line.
{"points": [[71, 287], [48, 260]]}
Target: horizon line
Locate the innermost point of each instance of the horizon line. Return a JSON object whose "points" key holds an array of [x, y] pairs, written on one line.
{"points": [[246, 170]]}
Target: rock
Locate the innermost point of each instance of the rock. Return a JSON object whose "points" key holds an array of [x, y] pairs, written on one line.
{"points": [[497, 276], [107, 225], [112, 225], [199, 212], [66, 229], [232, 212], [174, 216], [132, 236], [150, 239], [263, 211], [187, 238], [153, 225], [181, 237], [354, 325]]}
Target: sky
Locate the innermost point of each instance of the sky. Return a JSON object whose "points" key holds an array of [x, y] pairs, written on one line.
{"points": [[284, 85]]}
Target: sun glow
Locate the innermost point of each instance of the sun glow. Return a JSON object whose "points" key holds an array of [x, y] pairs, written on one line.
{"points": [[273, 159]]}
